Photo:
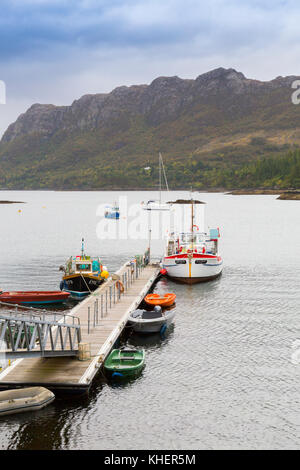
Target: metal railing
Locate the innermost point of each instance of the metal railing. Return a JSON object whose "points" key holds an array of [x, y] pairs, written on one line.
{"points": [[106, 300], [30, 335]]}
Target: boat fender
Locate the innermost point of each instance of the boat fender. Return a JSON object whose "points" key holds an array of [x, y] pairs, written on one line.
{"points": [[163, 272], [163, 329], [120, 286], [117, 374], [61, 285]]}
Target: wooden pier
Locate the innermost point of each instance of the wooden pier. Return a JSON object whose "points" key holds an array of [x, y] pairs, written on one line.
{"points": [[103, 316]]}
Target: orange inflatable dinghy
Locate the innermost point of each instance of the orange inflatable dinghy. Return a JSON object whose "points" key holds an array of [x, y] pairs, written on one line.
{"points": [[164, 301]]}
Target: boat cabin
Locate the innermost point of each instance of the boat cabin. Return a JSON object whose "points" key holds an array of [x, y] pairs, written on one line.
{"points": [[198, 242], [83, 264]]}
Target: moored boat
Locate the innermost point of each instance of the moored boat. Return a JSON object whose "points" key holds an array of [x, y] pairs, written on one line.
{"points": [[158, 205], [124, 363], [155, 321], [82, 275], [33, 297], [192, 257], [165, 300], [112, 212], [24, 399]]}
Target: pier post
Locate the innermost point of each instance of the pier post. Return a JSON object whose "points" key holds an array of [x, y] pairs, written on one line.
{"points": [[89, 317], [101, 305], [84, 351]]}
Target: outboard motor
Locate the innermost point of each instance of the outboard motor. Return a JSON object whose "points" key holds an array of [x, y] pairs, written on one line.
{"points": [[157, 309]]}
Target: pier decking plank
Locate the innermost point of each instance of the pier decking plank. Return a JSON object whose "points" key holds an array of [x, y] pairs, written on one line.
{"points": [[68, 372]]}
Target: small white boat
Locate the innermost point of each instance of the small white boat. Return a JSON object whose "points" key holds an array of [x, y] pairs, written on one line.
{"points": [[24, 399], [112, 212], [158, 205], [154, 321]]}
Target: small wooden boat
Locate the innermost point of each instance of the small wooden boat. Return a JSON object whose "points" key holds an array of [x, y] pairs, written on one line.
{"points": [[124, 363], [155, 321], [24, 399], [33, 297], [163, 301]]}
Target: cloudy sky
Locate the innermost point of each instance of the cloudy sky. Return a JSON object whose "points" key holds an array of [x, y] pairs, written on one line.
{"points": [[54, 51]]}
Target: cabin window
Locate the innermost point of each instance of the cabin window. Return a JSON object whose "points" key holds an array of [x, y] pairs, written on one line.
{"points": [[180, 261], [201, 261], [83, 267]]}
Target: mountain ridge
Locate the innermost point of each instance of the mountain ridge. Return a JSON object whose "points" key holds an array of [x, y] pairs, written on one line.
{"points": [[221, 119]]}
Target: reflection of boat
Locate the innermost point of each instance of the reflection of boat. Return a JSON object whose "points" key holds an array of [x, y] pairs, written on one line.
{"points": [[157, 205], [144, 321], [33, 297], [192, 256], [82, 275], [112, 212], [125, 362], [24, 399], [165, 300]]}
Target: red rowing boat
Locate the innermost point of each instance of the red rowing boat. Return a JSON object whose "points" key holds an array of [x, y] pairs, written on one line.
{"points": [[33, 297]]}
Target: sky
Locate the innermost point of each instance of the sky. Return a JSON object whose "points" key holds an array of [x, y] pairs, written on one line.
{"points": [[54, 51]]}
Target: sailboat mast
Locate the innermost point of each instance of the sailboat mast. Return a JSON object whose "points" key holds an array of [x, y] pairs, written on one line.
{"points": [[192, 214], [159, 161], [82, 248]]}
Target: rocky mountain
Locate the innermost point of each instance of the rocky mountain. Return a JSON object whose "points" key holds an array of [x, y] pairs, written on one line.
{"points": [[219, 120]]}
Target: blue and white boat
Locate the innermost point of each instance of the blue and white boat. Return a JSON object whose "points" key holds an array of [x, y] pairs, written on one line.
{"points": [[112, 212]]}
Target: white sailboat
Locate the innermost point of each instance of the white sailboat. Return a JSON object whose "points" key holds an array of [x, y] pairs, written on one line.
{"points": [[158, 205]]}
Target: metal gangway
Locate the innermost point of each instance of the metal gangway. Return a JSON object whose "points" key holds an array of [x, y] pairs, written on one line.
{"points": [[31, 334]]}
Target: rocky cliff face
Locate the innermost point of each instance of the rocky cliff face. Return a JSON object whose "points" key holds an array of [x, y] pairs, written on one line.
{"points": [[163, 100], [220, 120]]}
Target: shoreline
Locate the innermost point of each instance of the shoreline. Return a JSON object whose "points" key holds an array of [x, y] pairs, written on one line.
{"points": [[283, 194]]}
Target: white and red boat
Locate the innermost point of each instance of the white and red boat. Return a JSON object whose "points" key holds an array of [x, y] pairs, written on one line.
{"points": [[192, 257]]}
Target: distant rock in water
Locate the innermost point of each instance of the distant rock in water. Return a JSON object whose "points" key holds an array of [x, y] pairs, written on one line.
{"points": [[12, 202], [290, 196], [251, 192]]}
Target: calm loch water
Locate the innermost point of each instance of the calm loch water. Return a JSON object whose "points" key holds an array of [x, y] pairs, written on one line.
{"points": [[222, 377]]}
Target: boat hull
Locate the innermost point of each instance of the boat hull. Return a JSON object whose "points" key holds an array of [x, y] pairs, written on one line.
{"points": [[112, 215], [163, 301], [153, 325], [193, 280], [191, 270], [34, 297], [24, 399], [79, 286], [126, 367]]}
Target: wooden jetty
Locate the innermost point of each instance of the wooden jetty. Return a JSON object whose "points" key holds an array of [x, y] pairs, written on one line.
{"points": [[103, 315]]}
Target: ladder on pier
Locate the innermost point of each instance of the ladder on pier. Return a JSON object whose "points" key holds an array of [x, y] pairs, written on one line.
{"points": [[38, 335]]}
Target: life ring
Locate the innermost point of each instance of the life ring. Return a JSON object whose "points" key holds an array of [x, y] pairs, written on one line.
{"points": [[120, 286]]}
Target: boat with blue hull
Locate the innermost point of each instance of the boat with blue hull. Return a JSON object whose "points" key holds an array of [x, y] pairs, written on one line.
{"points": [[112, 212]]}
